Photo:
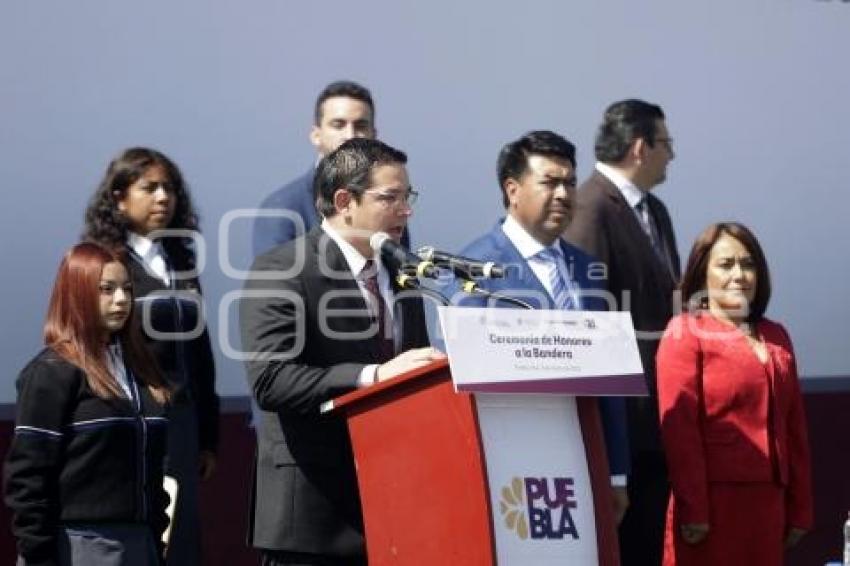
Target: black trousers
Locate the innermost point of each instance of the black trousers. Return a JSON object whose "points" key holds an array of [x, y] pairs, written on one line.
{"points": [[280, 558], [641, 532]]}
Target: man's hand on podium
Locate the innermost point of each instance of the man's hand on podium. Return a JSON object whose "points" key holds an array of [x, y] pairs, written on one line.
{"points": [[620, 501], [407, 361]]}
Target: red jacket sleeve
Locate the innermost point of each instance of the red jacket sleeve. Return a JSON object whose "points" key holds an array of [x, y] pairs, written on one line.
{"points": [[798, 496], [679, 372]]}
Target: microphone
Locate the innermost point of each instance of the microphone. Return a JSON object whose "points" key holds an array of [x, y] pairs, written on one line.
{"points": [[462, 266], [409, 264]]}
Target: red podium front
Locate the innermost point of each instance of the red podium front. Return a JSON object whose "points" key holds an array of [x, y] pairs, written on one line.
{"points": [[422, 472]]}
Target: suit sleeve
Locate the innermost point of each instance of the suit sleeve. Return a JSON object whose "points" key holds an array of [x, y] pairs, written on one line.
{"points": [[679, 374], [34, 460], [798, 496], [270, 232], [273, 231], [613, 413], [272, 318], [587, 230]]}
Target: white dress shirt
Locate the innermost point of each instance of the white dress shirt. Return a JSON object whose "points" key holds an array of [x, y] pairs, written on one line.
{"points": [[152, 256], [116, 367], [529, 248], [356, 262], [633, 195]]}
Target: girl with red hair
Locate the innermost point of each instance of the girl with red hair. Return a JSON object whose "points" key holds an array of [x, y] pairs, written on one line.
{"points": [[83, 475]]}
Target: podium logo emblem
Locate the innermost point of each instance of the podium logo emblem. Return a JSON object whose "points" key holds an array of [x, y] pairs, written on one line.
{"points": [[540, 508], [512, 507]]}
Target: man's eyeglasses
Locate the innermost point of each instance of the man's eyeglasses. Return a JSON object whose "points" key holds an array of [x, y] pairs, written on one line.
{"points": [[390, 198]]}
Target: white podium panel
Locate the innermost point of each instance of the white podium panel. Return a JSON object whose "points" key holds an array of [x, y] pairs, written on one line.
{"points": [[541, 497], [542, 351]]}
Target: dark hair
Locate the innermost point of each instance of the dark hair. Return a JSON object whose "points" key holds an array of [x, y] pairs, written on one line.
{"points": [[350, 167], [106, 225], [694, 278], [624, 122], [513, 159], [72, 328], [347, 89]]}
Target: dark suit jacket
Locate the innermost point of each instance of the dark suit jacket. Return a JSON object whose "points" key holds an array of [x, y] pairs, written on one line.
{"points": [[297, 196], [520, 282], [306, 496], [606, 227]]}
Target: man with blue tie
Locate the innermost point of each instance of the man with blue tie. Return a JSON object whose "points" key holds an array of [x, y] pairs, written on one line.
{"points": [[538, 182]]}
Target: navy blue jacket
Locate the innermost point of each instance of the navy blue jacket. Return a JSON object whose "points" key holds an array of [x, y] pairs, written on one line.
{"points": [[78, 458], [296, 196]]}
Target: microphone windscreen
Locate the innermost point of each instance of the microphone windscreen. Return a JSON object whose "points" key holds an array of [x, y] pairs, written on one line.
{"points": [[377, 240]]}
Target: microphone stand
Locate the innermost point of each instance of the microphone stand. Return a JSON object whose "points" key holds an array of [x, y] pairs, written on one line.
{"points": [[409, 282], [473, 288]]}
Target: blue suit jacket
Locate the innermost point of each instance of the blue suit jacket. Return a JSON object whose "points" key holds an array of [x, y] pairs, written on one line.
{"points": [[520, 282], [297, 196]]}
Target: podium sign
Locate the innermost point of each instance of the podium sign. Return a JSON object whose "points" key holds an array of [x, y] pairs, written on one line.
{"points": [[478, 480], [542, 351], [540, 491]]}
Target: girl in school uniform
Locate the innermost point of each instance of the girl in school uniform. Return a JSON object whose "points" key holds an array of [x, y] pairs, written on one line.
{"points": [[83, 476]]}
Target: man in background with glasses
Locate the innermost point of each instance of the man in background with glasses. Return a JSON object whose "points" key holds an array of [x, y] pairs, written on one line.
{"points": [[620, 222], [322, 316], [343, 110]]}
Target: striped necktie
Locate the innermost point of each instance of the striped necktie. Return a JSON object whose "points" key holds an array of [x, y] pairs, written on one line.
{"points": [[562, 293]]}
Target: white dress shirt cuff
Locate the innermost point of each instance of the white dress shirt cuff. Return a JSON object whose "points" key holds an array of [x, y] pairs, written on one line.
{"points": [[618, 480], [368, 376]]}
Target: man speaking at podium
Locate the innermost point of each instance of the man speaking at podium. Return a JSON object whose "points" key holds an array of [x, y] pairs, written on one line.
{"points": [[538, 182], [321, 316]]}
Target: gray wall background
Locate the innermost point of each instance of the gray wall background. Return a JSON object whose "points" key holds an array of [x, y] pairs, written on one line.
{"points": [[755, 94]]}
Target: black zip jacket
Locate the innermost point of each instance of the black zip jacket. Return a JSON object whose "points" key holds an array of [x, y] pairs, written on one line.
{"points": [[188, 365], [76, 457]]}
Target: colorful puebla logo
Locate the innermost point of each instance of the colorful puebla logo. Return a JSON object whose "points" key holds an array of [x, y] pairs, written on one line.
{"points": [[539, 507]]}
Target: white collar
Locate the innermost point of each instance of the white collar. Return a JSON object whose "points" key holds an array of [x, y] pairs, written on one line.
{"points": [[527, 244], [630, 191], [152, 256], [143, 246], [356, 261]]}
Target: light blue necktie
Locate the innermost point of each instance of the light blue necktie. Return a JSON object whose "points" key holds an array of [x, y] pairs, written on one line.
{"points": [[562, 293]]}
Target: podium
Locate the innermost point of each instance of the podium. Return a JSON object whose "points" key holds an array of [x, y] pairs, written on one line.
{"points": [[422, 469]]}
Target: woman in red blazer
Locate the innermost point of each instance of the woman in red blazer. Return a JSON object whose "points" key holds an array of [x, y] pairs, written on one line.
{"points": [[731, 411]]}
